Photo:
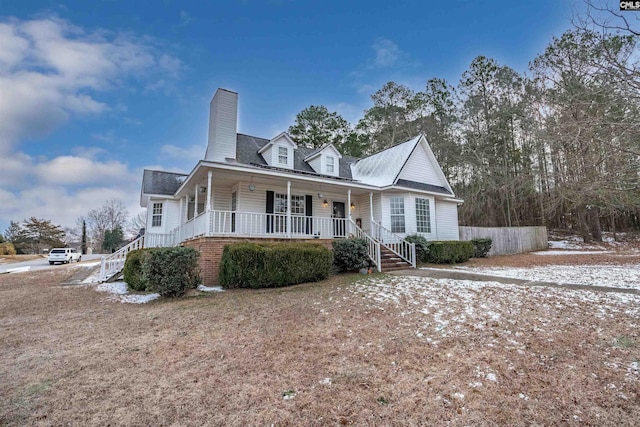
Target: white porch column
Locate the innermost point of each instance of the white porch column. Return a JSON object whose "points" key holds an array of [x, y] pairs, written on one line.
{"points": [[349, 204], [289, 208], [209, 179], [371, 205], [195, 207], [180, 219], [208, 206], [186, 208]]}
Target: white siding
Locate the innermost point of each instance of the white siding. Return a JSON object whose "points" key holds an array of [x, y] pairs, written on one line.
{"points": [[420, 168], [447, 220], [223, 125], [170, 215], [410, 224], [315, 164], [221, 198], [266, 155]]}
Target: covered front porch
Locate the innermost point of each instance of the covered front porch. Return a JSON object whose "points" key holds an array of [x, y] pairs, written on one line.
{"points": [[228, 203]]}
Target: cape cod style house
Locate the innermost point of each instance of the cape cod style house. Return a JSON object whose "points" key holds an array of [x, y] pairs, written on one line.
{"points": [[249, 188]]}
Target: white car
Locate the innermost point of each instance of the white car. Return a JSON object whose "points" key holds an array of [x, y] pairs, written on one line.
{"points": [[64, 255]]}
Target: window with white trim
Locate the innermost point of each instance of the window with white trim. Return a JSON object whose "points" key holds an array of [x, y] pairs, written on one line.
{"points": [[297, 210], [156, 215], [283, 155], [397, 214], [330, 164], [297, 204], [423, 216]]}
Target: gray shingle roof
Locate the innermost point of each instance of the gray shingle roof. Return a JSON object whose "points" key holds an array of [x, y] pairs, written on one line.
{"points": [[247, 152], [421, 186], [160, 182]]}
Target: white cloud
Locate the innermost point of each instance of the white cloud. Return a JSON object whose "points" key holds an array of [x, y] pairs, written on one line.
{"points": [[61, 205], [50, 70], [387, 53], [81, 171]]}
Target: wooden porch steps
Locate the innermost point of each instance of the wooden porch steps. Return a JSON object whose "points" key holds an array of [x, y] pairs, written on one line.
{"points": [[391, 262]]}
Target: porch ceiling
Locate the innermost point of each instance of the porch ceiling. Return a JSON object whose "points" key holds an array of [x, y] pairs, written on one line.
{"points": [[227, 178]]}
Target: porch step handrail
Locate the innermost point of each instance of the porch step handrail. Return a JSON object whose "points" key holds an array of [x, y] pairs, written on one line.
{"points": [[394, 242], [373, 246], [112, 264]]}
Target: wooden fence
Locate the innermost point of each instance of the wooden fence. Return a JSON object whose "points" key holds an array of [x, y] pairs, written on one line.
{"points": [[509, 240]]}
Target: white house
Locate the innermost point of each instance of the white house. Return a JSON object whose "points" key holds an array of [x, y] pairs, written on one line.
{"points": [[254, 188]]}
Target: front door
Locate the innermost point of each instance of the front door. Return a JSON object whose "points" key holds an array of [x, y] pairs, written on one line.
{"points": [[339, 224]]}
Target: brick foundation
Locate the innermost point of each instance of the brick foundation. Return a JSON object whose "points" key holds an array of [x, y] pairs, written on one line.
{"points": [[210, 249]]}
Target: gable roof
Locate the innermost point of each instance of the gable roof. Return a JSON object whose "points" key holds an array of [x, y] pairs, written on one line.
{"points": [[248, 149], [281, 135], [382, 169], [322, 149]]}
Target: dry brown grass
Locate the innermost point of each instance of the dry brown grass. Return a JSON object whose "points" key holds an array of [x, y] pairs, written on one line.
{"points": [[68, 357]]}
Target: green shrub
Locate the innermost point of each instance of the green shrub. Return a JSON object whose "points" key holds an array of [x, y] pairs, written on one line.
{"points": [[132, 270], [7, 248], [350, 254], [171, 271], [449, 252], [481, 247], [422, 247], [267, 265]]}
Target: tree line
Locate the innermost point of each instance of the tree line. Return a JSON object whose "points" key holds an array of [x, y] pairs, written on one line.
{"points": [[105, 228], [558, 146]]}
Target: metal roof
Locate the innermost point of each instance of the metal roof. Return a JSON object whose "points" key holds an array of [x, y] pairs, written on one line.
{"points": [[382, 169]]}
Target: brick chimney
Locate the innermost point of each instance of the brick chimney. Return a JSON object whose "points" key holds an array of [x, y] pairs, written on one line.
{"points": [[223, 126]]}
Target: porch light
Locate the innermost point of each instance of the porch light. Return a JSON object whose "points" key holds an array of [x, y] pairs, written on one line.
{"points": [[252, 187], [352, 206], [325, 203]]}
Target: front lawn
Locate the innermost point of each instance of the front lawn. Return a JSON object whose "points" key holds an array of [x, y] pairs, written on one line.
{"points": [[351, 350]]}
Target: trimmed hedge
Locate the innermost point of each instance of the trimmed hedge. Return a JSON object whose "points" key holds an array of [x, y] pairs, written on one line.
{"points": [[449, 252], [481, 247], [270, 265], [350, 254], [132, 270], [171, 271], [422, 247]]}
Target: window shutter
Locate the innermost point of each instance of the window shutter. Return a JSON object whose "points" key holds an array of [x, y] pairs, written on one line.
{"points": [[270, 197], [308, 209]]}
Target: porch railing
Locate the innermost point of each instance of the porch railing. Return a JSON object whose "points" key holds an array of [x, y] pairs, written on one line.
{"points": [[113, 264], [394, 242], [373, 246]]}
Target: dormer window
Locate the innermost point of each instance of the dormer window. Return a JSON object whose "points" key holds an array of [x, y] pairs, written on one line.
{"points": [[330, 164], [283, 155]]}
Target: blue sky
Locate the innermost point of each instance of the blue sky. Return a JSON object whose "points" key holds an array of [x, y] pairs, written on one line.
{"points": [[91, 93]]}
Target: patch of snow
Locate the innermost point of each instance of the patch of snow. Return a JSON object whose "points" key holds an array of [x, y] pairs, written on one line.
{"points": [[459, 396], [203, 288], [89, 264], [326, 381], [570, 252], [491, 377], [138, 299], [440, 309], [613, 276], [120, 292], [119, 288]]}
